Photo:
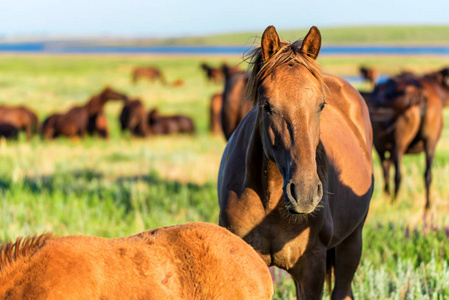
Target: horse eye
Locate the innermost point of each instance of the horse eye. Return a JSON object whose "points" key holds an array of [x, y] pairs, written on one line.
{"points": [[322, 105], [267, 108]]}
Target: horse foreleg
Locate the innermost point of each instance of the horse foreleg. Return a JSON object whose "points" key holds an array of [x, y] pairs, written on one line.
{"points": [[430, 152], [347, 259], [309, 274], [397, 156]]}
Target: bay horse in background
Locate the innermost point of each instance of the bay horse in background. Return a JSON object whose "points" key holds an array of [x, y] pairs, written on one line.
{"points": [[371, 75], [149, 73], [21, 118], [296, 177], [216, 102], [164, 125], [134, 118], [212, 74], [234, 103], [406, 114], [83, 119], [191, 261]]}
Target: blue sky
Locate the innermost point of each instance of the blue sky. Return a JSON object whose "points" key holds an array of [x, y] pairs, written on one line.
{"points": [[198, 17]]}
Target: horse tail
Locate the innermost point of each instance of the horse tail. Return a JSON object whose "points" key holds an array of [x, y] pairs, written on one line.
{"points": [[330, 264]]}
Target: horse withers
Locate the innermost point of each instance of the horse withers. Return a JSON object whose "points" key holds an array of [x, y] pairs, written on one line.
{"points": [[192, 261], [296, 176]]}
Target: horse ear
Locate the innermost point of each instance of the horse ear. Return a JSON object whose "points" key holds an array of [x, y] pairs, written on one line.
{"points": [[270, 42], [311, 44]]}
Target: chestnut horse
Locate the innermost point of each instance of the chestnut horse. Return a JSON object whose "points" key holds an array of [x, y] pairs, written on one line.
{"points": [[296, 177], [163, 125], [192, 261], [21, 118], [234, 107], [216, 102], [79, 120], [133, 117], [149, 73], [406, 113], [213, 74]]}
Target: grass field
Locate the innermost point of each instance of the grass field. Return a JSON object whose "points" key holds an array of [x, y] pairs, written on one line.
{"points": [[123, 186]]}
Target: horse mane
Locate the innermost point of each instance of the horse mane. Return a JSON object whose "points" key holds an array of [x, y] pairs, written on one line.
{"points": [[259, 69], [22, 247]]}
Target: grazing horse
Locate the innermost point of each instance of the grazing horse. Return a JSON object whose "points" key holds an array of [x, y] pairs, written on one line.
{"points": [[133, 117], [370, 74], [296, 177], [213, 74], [216, 102], [234, 107], [149, 73], [79, 120], [163, 125], [406, 114], [191, 261], [21, 118]]}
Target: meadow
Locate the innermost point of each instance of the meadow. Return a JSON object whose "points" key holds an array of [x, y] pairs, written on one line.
{"points": [[125, 185]]}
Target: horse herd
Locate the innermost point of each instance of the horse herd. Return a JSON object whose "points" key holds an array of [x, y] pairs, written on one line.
{"points": [[295, 183], [89, 119]]}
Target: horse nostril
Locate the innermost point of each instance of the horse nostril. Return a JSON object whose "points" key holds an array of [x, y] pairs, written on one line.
{"points": [[292, 191], [320, 190]]}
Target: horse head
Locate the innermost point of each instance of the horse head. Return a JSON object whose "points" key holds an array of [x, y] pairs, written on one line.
{"points": [[286, 86]]}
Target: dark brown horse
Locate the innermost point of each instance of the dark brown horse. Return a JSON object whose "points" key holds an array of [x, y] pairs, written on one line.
{"points": [[406, 113], [235, 107], [213, 74], [8, 131], [84, 119], [192, 261], [133, 117], [20, 117], [371, 75], [149, 73], [296, 177], [216, 102], [163, 125]]}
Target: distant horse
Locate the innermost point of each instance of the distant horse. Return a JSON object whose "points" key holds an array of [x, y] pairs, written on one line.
{"points": [[20, 117], [296, 177], [235, 106], [213, 74], [192, 261], [149, 73], [8, 131], [216, 103], [133, 117], [370, 74], [84, 119], [406, 114], [163, 125]]}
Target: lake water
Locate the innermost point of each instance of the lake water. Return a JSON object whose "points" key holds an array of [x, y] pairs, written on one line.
{"points": [[72, 48]]}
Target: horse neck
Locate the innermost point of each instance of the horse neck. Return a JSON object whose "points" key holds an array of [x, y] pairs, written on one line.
{"points": [[442, 92], [95, 104]]}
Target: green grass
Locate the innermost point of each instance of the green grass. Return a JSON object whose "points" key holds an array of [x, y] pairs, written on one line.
{"points": [[124, 186], [361, 35]]}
